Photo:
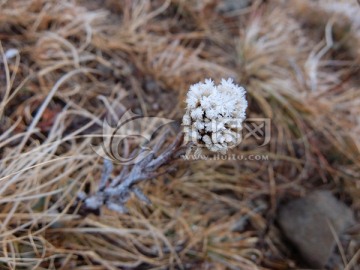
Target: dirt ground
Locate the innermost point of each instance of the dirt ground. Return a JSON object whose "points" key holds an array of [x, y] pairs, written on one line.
{"points": [[67, 65]]}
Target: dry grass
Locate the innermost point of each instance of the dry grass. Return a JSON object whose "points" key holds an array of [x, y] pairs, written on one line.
{"points": [[81, 60]]}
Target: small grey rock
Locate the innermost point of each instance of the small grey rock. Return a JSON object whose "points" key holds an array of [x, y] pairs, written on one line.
{"points": [[232, 5], [306, 223]]}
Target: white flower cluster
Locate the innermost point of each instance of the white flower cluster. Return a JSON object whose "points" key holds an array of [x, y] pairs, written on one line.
{"points": [[214, 114]]}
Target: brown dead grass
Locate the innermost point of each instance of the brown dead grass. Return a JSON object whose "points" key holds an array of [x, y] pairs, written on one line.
{"points": [[80, 60]]}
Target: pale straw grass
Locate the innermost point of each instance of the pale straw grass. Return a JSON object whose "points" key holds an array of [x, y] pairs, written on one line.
{"points": [[80, 62]]}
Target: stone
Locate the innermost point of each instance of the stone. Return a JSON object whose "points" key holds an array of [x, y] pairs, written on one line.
{"points": [[226, 6], [307, 223]]}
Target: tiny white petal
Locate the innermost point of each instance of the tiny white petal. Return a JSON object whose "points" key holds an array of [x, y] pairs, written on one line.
{"points": [[186, 120], [197, 113]]}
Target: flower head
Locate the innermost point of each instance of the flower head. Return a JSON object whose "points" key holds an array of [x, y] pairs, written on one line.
{"points": [[214, 114]]}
